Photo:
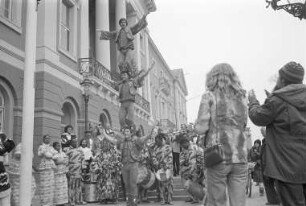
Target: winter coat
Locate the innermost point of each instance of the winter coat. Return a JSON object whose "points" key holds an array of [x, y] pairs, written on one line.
{"points": [[284, 115]]}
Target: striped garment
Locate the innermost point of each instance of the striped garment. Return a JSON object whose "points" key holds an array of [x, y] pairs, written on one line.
{"points": [[75, 158], [46, 174], [188, 162], [14, 174], [61, 185]]}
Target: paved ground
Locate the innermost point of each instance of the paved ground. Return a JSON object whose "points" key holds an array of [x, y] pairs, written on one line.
{"points": [[255, 200]]}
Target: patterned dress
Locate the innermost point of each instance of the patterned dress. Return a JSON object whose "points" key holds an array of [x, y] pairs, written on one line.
{"points": [[14, 174], [163, 155], [46, 174], [188, 163], [110, 170], [75, 158], [61, 185], [5, 188]]}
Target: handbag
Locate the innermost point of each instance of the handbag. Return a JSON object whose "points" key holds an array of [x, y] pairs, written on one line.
{"points": [[213, 155]]}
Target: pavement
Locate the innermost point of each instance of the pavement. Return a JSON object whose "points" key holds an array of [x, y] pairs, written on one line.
{"points": [[255, 200]]}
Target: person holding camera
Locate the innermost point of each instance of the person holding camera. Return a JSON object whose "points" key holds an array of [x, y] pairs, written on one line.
{"points": [[222, 119]]}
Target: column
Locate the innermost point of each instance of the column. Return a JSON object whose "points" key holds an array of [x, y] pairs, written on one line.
{"points": [[102, 23], [120, 11], [84, 47], [148, 79], [28, 103]]}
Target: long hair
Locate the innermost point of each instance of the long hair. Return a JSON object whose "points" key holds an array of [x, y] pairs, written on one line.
{"points": [[223, 78]]}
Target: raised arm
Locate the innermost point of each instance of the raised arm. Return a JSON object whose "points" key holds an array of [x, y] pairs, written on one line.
{"points": [[152, 135], [141, 24], [109, 138], [143, 74]]}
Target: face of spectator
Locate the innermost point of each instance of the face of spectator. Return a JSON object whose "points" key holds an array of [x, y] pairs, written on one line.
{"points": [[84, 143], [46, 139], [57, 147], [256, 145], [69, 130]]}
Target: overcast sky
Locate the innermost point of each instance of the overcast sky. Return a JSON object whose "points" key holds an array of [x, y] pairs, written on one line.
{"points": [[197, 34]]}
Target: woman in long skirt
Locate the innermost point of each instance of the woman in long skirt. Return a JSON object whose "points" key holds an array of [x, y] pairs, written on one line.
{"points": [[75, 156], [14, 174], [61, 185], [46, 172], [109, 176]]}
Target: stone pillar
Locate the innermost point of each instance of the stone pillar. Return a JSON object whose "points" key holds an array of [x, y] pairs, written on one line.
{"points": [[102, 23], [120, 11], [148, 79], [28, 103], [84, 47]]}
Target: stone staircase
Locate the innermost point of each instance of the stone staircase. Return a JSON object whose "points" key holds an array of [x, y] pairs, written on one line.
{"points": [[179, 194]]}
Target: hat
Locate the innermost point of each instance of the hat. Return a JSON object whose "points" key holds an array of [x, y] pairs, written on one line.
{"points": [[292, 72]]}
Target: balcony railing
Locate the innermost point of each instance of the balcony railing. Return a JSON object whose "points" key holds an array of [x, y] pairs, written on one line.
{"points": [[142, 102], [90, 67]]}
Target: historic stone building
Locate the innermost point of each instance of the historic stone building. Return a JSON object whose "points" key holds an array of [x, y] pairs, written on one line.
{"points": [[67, 46]]}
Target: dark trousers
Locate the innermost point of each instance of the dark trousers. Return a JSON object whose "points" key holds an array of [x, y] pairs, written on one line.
{"points": [[176, 163], [129, 174], [291, 194], [269, 184]]}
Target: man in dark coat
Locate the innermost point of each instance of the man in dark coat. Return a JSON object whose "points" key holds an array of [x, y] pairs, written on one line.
{"points": [[284, 115]]}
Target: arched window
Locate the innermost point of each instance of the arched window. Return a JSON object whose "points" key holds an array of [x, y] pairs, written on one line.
{"points": [[69, 116], [105, 118], [1, 111]]}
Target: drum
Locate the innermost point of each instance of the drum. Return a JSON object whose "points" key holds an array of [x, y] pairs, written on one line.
{"points": [[195, 189], [148, 180], [163, 176], [90, 191], [142, 174], [145, 178]]}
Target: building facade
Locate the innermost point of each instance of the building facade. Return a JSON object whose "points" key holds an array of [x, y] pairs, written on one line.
{"points": [[68, 46]]}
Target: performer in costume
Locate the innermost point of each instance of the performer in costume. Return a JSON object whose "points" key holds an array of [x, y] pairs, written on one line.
{"points": [[124, 39], [130, 146], [127, 92], [6, 146], [75, 158], [109, 175], [163, 160], [187, 163]]}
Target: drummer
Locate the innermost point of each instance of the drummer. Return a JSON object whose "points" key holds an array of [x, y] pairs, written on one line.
{"points": [[188, 164], [162, 159], [130, 146]]}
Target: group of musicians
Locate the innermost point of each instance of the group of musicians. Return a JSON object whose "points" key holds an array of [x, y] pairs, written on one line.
{"points": [[147, 163]]}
